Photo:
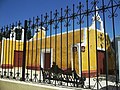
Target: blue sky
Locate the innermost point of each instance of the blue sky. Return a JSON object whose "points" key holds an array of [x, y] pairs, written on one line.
{"points": [[15, 10]]}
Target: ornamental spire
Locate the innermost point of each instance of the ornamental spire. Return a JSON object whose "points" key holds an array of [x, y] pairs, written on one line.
{"points": [[96, 18]]}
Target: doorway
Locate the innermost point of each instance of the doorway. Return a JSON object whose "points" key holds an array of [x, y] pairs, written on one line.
{"points": [[18, 56], [101, 62], [47, 60]]}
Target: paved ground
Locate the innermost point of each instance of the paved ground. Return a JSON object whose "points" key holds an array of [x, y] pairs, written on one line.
{"points": [[93, 82]]}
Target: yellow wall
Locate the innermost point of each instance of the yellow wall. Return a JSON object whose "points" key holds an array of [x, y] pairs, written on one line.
{"points": [[58, 49], [57, 56], [8, 50], [33, 49]]}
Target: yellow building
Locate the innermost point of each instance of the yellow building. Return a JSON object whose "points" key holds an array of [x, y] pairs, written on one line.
{"points": [[42, 51]]}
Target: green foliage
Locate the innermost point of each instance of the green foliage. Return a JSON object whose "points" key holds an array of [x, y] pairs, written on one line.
{"points": [[1, 36], [28, 34], [18, 34]]}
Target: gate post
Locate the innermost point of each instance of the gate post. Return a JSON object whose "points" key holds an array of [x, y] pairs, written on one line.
{"points": [[24, 51]]}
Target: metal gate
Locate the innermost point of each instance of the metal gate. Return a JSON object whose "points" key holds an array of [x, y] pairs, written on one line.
{"points": [[82, 43]]}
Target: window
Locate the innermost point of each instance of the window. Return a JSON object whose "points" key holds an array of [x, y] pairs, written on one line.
{"points": [[74, 49]]}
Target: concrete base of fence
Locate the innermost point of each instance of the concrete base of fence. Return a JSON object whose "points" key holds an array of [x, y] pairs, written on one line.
{"points": [[17, 85]]}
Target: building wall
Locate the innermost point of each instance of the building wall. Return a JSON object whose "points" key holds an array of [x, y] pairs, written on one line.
{"points": [[33, 49], [63, 60], [7, 56], [56, 48]]}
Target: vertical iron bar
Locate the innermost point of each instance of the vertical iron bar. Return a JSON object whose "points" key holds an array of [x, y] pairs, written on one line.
{"points": [[73, 38], [28, 42], [55, 36], [56, 39], [50, 34], [88, 41], [18, 43], [18, 47], [80, 38], [6, 52], [14, 53], [96, 45], [61, 37], [28, 59], [37, 19], [12, 50], [67, 40], [113, 24], [45, 36], [9, 51], [106, 61], [24, 51], [50, 31], [27, 54], [32, 49], [41, 46]]}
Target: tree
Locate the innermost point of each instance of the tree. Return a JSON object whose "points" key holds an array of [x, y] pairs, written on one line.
{"points": [[18, 34], [28, 34]]}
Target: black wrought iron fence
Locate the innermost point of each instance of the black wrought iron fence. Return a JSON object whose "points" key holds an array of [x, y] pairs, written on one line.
{"points": [[70, 47]]}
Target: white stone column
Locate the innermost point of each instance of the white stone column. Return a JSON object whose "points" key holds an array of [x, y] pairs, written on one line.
{"points": [[2, 50], [22, 36], [79, 58], [72, 57], [42, 59]]}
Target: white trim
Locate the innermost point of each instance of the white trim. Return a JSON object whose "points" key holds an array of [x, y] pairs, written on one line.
{"points": [[58, 34], [22, 36], [85, 37], [14, 34], [70, 31], [101, 49], [79, 57], [42, 58], [72, 56], [84, 43], [2, 51], [97, 18]]}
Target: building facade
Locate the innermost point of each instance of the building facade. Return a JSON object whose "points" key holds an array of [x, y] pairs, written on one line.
{"points": [[75, 54]]}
